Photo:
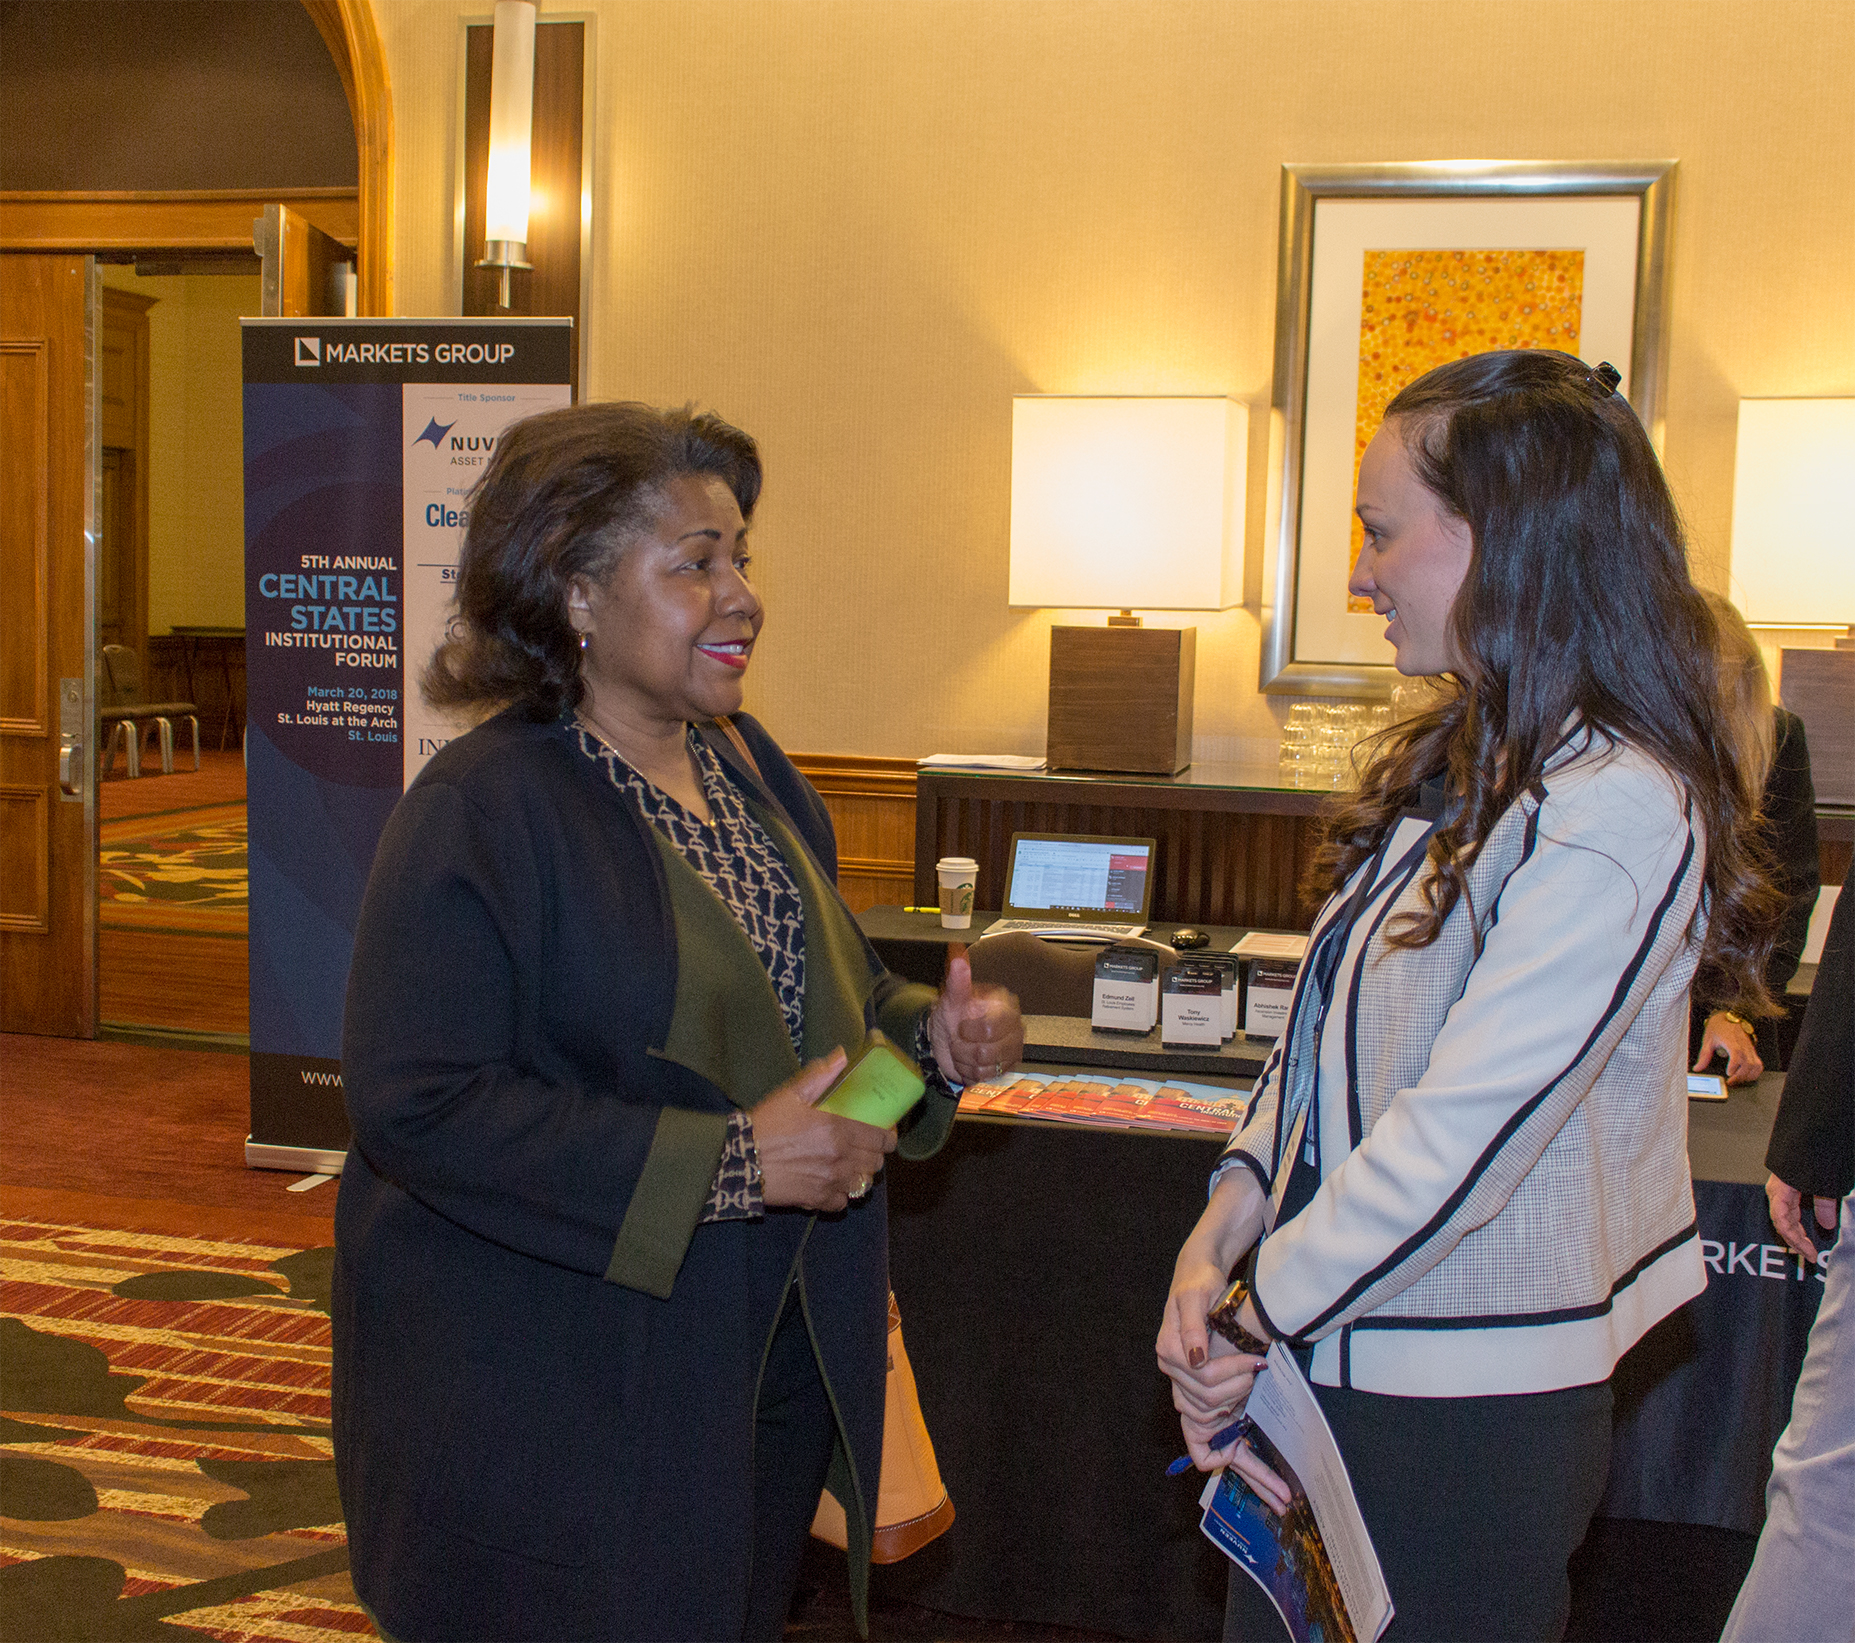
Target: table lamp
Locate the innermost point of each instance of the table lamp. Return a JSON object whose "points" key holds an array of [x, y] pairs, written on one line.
{"points": [[1118, 503], [1793, 564]]}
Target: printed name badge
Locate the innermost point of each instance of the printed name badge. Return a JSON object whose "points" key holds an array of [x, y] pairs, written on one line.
{"points": [[1266, 999], [1126, 998], [1191, 1009]]}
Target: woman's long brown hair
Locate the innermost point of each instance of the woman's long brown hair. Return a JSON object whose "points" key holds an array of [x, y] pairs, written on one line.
{"points": [[1577, 607]]}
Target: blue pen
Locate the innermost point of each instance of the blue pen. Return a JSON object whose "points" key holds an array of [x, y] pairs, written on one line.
{"points": [[1237, 1429]]}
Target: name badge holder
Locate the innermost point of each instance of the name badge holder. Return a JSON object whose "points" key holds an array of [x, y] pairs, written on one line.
{"points": [[1191, 1007], [1126, 996]]}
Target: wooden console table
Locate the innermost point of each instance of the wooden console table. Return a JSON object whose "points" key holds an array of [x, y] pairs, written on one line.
{"points": [[1233, 845]]}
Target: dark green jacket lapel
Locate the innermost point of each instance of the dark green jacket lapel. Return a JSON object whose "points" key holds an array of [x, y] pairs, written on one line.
{"points": [[727, 1025]]}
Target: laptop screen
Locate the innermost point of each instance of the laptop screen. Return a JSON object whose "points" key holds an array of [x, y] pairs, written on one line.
{"points": [[1095, 876]]}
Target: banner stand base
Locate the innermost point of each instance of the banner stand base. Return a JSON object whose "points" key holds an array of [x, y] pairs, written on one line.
{"points": [[298, 1160]]}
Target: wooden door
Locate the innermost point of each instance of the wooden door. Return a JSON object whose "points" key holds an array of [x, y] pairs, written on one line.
{"points": [[305, 270], [49, 323]]}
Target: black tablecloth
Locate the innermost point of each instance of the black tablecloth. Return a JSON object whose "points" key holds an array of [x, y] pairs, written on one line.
{"points": [[1702, 1398], [1031, 1262]]}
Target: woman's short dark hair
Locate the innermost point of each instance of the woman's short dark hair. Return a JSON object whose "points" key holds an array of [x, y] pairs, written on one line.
{"points": [[1576, 605], [560, 496]]}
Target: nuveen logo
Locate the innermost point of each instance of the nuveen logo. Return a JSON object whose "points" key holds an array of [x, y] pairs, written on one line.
{"points": [[308, 350]]}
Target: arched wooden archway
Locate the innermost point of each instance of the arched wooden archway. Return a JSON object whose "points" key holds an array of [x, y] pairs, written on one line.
{"points": [[220, 219], [347, 28]]}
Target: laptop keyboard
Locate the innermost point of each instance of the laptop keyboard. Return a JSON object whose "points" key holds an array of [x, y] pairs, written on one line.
{"points": [[1070, 928]]}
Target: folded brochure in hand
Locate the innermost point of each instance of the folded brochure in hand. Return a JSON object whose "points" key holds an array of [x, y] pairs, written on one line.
{"points": [[880, 1086], [1315, 1561]]}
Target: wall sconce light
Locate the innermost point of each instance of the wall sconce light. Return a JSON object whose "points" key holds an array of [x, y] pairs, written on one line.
{"points": [[1118, 504], [1793, 565], [524, 168], [512, 120]]}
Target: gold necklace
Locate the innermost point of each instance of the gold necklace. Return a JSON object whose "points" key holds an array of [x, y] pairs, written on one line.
{"points": [[585, 722]]}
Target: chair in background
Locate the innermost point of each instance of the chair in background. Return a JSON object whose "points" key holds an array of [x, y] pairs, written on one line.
{"points": [[127, 717], [1049, 977]]}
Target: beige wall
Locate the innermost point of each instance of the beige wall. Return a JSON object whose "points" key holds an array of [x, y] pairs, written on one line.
{"points": [[196, 479], [858, 227]]}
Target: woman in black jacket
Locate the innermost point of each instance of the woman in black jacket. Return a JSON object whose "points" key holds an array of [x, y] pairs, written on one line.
{"points": [[610, 1291], [1772, 741]]}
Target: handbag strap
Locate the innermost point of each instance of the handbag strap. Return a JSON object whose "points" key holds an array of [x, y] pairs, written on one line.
{"points": [[726, 725]]}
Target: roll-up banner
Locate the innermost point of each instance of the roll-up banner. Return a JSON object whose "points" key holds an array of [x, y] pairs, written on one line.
{"points": [[362, 441]]}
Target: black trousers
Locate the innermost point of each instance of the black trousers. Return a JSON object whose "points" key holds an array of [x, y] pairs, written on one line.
{"points": [[793, 1437], [1475, 1506]]}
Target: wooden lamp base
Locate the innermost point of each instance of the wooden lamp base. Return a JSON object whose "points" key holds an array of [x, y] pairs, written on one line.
{"points": [[1121, 699]]}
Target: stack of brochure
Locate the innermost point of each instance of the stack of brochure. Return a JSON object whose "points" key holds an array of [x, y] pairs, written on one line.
{"points": [[1108, 1101]]}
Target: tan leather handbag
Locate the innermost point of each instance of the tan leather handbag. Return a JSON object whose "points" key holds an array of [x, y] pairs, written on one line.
{"points": [[912, 1507]]}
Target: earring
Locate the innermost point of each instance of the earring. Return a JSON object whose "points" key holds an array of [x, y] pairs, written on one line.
{"points": [[583, 638]]}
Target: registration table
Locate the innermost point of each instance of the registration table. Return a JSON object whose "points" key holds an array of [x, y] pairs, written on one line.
{"points": [[1031, 1261]]}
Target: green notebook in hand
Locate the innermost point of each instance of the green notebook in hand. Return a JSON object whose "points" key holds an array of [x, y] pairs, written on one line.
{"points": [[880, 1087]]}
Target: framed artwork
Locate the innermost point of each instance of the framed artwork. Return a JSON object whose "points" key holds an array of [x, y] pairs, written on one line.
{"points": [[1388, 270]]}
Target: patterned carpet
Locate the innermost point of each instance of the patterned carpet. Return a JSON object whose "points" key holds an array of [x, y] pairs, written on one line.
{"points": [[165, 1467], [182, 870]]}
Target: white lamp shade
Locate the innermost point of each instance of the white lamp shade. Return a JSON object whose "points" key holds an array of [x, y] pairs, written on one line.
{"points": [[1125, 503], [1793, 528], [512, 107]]}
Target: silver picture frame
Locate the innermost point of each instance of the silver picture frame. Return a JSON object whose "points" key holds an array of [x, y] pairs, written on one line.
{"points": [[1285, 671]]}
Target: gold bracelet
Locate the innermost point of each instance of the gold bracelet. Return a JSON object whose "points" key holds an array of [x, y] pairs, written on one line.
{"points": [[1740, 1022]]}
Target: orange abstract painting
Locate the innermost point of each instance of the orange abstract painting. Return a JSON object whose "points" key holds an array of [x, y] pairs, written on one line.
{"points": [[1423, 308]]}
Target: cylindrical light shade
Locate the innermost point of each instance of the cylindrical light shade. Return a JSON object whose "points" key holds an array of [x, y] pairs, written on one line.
{"points": [[1125, 503], [512, 107], [1793, 529]]}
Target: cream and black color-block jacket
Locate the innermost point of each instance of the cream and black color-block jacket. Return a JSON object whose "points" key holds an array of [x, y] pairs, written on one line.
{"points": [[1476, 1151]]}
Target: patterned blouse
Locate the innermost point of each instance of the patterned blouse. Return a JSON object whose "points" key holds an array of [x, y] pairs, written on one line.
{"points": [[741, 864]]}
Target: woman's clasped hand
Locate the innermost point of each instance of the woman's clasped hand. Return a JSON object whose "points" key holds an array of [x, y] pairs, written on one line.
{"points": [[1211, 1378], [811, 1159]]}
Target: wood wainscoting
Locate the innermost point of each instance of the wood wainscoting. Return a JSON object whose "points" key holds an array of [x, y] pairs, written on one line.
{"points": [[872, 805]]}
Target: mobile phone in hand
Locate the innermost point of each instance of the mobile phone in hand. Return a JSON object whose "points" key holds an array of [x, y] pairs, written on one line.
{"points": [[880, 1087]]}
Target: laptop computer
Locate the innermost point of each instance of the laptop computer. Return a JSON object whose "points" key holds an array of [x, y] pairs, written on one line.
{"points": [[1077, 887]]}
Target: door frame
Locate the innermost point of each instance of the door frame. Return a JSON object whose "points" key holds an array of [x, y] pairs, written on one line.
{"points": [[131, 317], [220, 220]]}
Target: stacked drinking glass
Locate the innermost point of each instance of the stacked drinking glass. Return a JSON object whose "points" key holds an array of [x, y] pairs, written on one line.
{"points": [[1320, 738]]}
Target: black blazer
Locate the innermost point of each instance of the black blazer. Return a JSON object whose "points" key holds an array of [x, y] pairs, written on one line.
{"points": [[544, 1392], [1788, 810], [1813, 1140]]}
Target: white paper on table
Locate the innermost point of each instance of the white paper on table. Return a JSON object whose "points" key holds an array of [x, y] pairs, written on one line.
{"points": [[980, 761], [1272, 944]]}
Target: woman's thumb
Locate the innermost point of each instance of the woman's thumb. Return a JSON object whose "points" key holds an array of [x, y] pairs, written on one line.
{"points": [[815, 1082], [959, 986]]}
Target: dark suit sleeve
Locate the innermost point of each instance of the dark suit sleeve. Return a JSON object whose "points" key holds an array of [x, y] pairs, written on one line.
{"points": [[1813, 1140], [448, 957], [1790, 820]]}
